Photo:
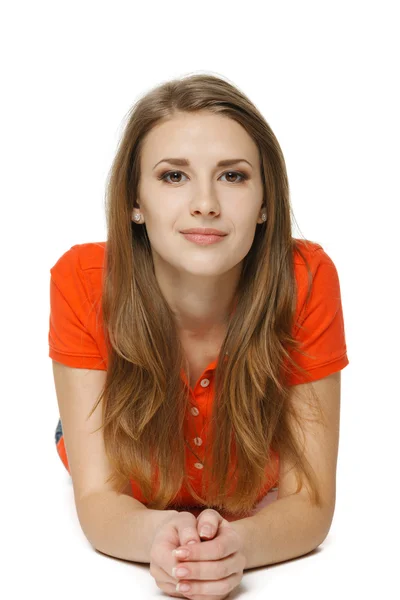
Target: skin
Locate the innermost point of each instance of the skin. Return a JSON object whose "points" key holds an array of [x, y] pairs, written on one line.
{"points": [[199, 282], [215, 563]]}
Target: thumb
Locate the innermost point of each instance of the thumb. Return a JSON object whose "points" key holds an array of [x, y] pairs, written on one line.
{"points": [[186, 529], [208, 523]]}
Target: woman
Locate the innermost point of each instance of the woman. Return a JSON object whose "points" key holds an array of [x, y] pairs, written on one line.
{"points": [[203, 336]]}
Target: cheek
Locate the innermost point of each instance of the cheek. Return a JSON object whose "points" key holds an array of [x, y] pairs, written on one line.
{"points": [[243, 242], [168, 245]]}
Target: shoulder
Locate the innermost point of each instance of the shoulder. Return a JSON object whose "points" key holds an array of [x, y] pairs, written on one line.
{"points": [[307, 250], [316, 275], [309, 255], [318, 320], [76, 336], [91, 255], [82, 257], [81, 264], [78, 273]]}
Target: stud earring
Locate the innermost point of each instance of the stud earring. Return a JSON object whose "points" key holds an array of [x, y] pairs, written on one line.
{"points": [[264, 217]]}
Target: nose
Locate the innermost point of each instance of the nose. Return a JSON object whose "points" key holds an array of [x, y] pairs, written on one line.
{"points": [[206, 202]]}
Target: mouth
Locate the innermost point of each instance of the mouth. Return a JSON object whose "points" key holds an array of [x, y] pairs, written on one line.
{"points": [[204, 231], [203, 239]]}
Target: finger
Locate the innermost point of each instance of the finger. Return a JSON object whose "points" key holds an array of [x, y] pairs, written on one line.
{"points": [[187, 530], [211, 570], [165, 582], [208, 523], [161, 576], [163, 561], [224, 544], [176, 533], [221, 587], [170, 589]]}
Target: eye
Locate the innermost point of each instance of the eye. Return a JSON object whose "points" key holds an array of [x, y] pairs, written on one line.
{"points": [[166, 174], [242, 175]]}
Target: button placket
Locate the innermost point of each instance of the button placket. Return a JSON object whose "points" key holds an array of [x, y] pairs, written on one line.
{"points": [[195, 412]]}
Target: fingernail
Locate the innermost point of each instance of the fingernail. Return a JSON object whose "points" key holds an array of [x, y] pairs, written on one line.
{"points": [[182, 587], [205, 531], [181, 552], [191, 542]]}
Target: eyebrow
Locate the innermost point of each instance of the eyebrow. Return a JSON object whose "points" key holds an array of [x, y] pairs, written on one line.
{"points": [[184, 162]]}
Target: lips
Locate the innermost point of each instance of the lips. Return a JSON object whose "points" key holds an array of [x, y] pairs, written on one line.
{"points": [[204, 231], [204, 240]]}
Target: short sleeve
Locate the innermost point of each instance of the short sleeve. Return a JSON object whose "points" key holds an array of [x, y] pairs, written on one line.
{"points": [[320, 327], [70, 337]]}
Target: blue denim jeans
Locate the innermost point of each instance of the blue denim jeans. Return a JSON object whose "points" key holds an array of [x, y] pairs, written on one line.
{"points": [[59, 431]]}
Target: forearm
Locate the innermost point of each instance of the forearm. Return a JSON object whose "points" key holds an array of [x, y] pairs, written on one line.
{"points": [[286, 528], [119, 525]]}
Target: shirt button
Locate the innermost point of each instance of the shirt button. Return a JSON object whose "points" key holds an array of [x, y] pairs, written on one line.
{"points": [[198, 465], [195, 411], [204, 382], [198, 441]]}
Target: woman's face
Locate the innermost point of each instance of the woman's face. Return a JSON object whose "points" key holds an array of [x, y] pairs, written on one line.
{"points": [[200, 194]]}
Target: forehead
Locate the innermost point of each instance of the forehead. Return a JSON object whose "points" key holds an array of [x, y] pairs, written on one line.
{"points": [[198, 136]]}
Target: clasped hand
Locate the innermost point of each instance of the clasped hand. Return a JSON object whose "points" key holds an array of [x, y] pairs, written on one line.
{"points": [[215, 566]]}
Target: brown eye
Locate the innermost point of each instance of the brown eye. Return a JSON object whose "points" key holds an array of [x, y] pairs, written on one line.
{"points": [[235, 174], [168, 174]]}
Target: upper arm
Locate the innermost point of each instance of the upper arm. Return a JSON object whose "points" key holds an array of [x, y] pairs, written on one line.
{"points": [[77, 391], [319, 441]]}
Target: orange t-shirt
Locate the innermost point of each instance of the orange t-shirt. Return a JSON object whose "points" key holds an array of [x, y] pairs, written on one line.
{"points": [[76, 339]]}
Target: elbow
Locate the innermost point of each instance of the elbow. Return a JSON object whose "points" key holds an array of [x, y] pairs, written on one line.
{"points": [[316, 539], [321, 519], [322, 532]]}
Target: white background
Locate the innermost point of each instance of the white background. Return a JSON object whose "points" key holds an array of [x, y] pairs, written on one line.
{"points": [[325, 75]]}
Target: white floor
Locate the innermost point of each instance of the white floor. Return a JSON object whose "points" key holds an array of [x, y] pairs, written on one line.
{"points": [[69, 558]]}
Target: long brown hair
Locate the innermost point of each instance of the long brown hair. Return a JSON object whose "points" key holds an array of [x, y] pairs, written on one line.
{"points": [[144, 397]]}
